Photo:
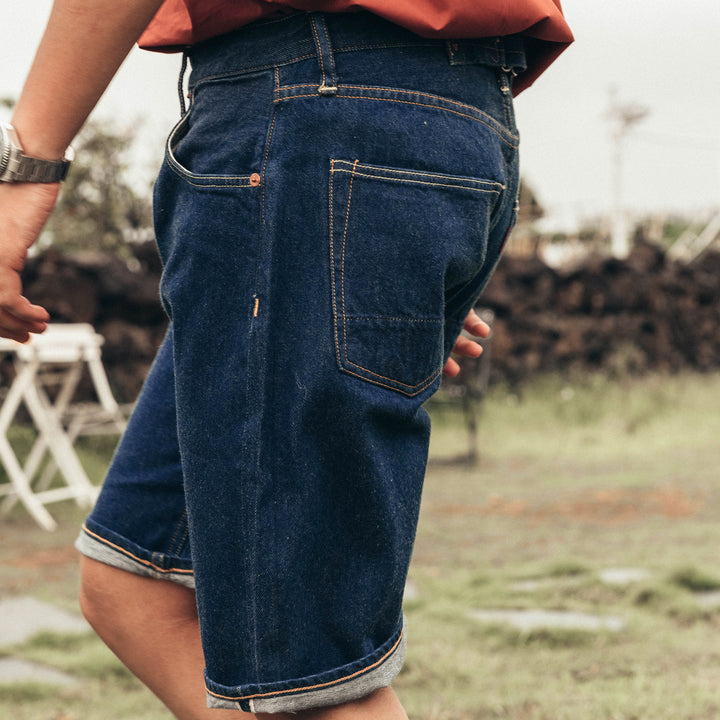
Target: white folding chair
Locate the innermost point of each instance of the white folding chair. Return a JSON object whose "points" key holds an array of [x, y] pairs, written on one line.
{"points": [[63, 351]]}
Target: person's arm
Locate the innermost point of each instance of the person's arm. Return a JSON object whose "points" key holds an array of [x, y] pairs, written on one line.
{"points": [[84, 44]]}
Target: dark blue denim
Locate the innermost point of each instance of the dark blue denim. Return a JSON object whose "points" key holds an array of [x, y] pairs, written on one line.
{"points": [[329, 209]]}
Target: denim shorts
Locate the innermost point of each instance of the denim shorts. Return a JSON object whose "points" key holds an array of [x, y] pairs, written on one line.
{"points": [[329, 208]]}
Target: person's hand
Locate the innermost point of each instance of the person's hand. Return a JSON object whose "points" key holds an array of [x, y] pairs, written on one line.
{"points": [[466, 347], [24, 210]]}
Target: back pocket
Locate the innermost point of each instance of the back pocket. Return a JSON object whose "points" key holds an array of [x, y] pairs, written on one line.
{"points": [[401, 242]]}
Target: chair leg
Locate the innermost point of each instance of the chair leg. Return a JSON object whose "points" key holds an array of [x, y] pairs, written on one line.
{"points": [[21, 487]]}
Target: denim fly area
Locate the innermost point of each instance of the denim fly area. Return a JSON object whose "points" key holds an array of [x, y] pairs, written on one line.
{"points": [[330, 207]]}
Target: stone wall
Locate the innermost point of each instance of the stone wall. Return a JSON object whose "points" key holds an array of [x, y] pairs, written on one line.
{"points": [[119, 297], [644, 313]]}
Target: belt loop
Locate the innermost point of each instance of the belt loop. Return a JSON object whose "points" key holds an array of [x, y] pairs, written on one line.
{"points": [[499, 48], [452, 47], [328, 85]]}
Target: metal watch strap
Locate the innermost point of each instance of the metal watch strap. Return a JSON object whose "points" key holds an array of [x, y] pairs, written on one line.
{"points": [[15, 166], [27, 169]]}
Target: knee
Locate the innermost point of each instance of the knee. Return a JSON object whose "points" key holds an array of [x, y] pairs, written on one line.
{"points": [[99, 597], [120, 603]]}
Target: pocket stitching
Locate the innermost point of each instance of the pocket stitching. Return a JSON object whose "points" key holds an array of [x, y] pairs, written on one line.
{"points": [[195, 179], [397, 385], [506, 134], [383, 173]]}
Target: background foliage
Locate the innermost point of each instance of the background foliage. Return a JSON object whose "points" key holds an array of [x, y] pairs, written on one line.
{"points": [[100, 208]]}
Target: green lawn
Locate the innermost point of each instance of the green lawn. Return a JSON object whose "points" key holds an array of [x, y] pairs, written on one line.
{"points": [[574, 479]]}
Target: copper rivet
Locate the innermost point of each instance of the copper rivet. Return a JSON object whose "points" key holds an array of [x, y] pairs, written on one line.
{"points": [[254, 179]]}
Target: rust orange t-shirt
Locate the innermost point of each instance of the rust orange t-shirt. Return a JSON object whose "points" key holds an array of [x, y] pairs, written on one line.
{"points": [[180, 23]]}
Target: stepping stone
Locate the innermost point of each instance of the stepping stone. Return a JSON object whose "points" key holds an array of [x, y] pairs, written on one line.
{"points": [[535, 584], [13, 671], [624, 576], [527, 620], [23, 617], [709, 600]]}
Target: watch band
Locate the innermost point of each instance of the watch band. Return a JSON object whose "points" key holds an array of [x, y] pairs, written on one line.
{"points": [[34, 170], [17, 167]]}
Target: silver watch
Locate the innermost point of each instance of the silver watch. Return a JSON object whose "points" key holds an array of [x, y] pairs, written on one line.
{"points": [[17, 167]]}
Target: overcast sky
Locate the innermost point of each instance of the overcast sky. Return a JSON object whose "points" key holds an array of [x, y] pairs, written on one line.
{"points": [[659, 54]]}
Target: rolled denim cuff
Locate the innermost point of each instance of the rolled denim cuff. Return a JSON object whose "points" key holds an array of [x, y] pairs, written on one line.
{"points": [[345, 684], [98, 543]]}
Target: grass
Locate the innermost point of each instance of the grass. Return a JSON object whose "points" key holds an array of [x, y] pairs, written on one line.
{"points": [[104, 690], [573, 479]]}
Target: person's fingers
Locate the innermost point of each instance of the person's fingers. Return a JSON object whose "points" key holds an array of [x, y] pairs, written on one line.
{"points": [[466, 347], [22, 317], [475, 325], [451, 368]]}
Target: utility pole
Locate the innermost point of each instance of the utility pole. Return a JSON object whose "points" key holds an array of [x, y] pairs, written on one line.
{"points": [[622, 117]]}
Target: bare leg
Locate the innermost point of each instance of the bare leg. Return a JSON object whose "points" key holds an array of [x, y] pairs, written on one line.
{"points": [[152, 626]]}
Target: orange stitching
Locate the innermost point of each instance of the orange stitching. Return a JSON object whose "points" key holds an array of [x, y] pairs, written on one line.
{"points": [[265, 159], [319, 685], [425, 383], [262, 206], [342, 272], [233, 181], [398, 318], [414, 92], [387, 173], [244, 71], [318, 49], [299, 85], [175, 544], [330, 52], [332, 257], [387, 46], [134, 557], [294, 97], [458, 185], [513, 145], [410, 92], [495, 129]]}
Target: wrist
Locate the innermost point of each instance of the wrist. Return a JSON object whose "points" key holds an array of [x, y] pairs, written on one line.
{"points": [[37, 143], [17, 164]]}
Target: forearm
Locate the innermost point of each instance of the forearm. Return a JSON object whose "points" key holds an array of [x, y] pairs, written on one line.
{"points": [[84, 44]]}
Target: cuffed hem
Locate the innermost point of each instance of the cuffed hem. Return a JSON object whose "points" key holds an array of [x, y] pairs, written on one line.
{"points": [[343, 685], [105, 547]]}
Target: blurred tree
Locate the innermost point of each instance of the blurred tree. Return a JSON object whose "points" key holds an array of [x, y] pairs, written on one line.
{"points": [[99, 208], [524, 238], [529, 207]]}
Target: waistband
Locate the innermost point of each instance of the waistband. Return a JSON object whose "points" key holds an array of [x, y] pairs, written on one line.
{"points": [[302, 36]]}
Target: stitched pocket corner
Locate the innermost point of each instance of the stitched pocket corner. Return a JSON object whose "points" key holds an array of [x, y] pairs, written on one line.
{"points": [[401, 241]]}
